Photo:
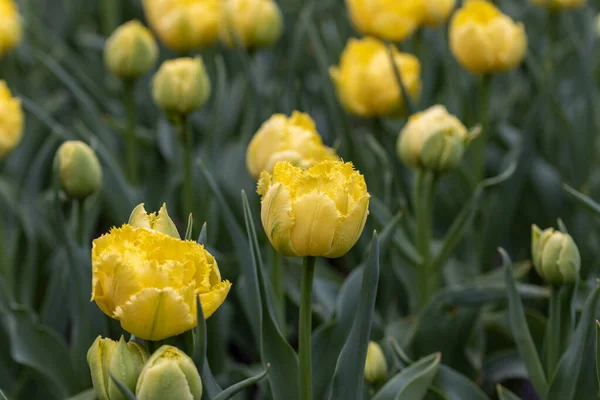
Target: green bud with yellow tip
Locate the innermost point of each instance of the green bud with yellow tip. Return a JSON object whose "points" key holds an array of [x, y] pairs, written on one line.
{"points": [[555, 256], [376, 368], [79, 169], [130, 51], [160, 221], [169, 374], [124, 361]]}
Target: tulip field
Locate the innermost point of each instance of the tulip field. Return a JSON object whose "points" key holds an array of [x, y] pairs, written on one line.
{"points": [[299, 199]]}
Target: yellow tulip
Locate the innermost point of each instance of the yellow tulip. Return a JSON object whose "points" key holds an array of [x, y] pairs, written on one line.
{"points": [[11, 120], [437, 11], [130, 51], [433, 140], [181, 86], [320, 211], [149, 281], [484, 40], [560, 4], [251, 23], [365, 80], [183, 25], [10, 27], [294, 139], [392, 20]]}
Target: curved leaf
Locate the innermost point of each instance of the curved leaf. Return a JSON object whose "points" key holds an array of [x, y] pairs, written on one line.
{"points": [[505, 394], [238, 387], [413, 382]]}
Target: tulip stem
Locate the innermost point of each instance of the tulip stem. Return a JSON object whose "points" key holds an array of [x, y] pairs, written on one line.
{"points": [[304, 346], [423, 194], [409, 106], [553, 332], [81, 221], [131, 144], [277, 279], [188, 154], [481, 141]]}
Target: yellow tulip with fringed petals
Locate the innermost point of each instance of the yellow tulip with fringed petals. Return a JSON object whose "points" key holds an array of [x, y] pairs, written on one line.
{"points": [[250, 23], [149, 280], [365, 80], [294, 139], [560, 4], [183, 25], [393, 20], [484, 40], [437, 11], [320, 211], [10, 26], [11, 120]]}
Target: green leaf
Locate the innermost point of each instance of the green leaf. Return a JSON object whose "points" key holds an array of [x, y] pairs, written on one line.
{"points": [[564, 383], [89, 394], [275, 350], [238, 387], [2, 396], [413, 382], [202, 236], [456, 386], [199, 335], [521, 333], [128, 394], [349, 372], [190, 227], [583, 200], [598, 351], [505, 394]]}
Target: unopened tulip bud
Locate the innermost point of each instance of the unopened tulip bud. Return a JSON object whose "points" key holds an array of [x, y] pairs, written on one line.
{"points": [[169, 374], [181, 86], [376, 364], [251, 23], [130, 51], [121, 360], [79, 168], [555, 256], [160, 221]]}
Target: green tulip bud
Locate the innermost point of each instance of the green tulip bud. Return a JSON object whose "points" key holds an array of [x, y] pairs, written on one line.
{"points": [[160, 221], [122, 360], [181, 86], [169, 374], [376, 368], [79, 168], [130, 51], [555, 256]]}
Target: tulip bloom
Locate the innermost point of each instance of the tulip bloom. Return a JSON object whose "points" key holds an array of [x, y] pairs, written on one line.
{"points": [[183, 25], [393, 20], [365, 80], [484, 40], [149, 281], [10, 28], [294, 139], [320, 211], [11, 120]]}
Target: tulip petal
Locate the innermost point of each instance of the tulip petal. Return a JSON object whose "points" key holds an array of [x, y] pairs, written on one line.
{"points": [[278, 220], [316, 221], [155, 314], [212, 300], [350, 229]]}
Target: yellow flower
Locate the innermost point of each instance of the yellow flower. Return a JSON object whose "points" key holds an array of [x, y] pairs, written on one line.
{"points": [[437, 11], [294, 139], [484, 40], [560, 4], [130, 51], [149, 281], [10, 28], [11, 120], [433, 140], [180, 86], [365, 80], [392, 20], [320, 211], [376, 365], [251, 23], [183, 25]]}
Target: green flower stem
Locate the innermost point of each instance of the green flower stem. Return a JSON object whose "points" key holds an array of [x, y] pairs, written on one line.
{"points": [[80, 222], [277, 279], [306, 285], [131, 145], [480, 142], [553, 345], [408, 104], [187, 141], [110, 15], [423, 194]]}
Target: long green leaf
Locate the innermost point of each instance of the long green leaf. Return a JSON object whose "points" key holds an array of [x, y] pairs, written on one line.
{"points": [[505, 394], [598, 351], [583, 200], [238, 387], [349, 371], [521, 333], [455, 386], [413, 382]]}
